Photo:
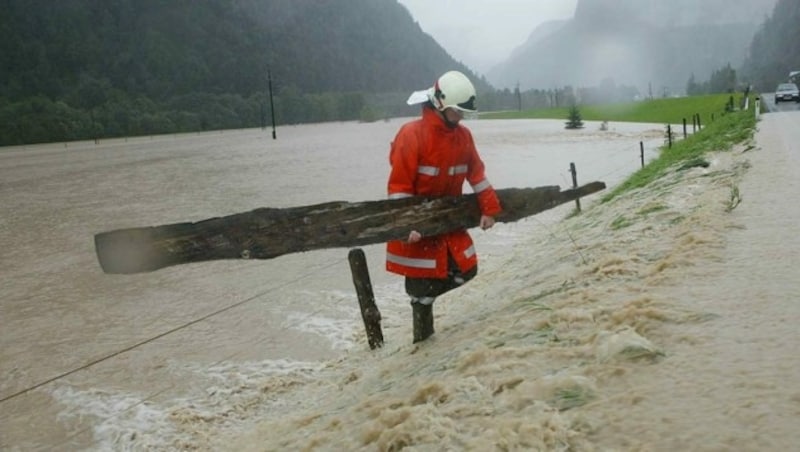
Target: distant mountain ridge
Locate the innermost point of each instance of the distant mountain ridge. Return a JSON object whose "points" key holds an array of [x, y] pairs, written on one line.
{"points": [[650, 44], [541, 32], [673, 13]]}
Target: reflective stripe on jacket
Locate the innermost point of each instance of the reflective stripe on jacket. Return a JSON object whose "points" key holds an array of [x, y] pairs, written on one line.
{"points": [[430, 159]]}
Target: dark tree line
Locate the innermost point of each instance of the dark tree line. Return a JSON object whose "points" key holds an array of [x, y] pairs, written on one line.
{"points": [[722, 80], [775, 50], [82, 69], [773, 54]]}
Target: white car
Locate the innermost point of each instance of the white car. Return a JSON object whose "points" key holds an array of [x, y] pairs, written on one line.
{"points": [[787, 92]]}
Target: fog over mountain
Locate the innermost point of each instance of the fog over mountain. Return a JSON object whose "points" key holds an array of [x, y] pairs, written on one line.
{"points": [[651, 44]]}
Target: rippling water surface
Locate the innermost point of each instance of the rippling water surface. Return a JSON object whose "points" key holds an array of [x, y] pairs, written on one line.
{"points": [[95, 360]]}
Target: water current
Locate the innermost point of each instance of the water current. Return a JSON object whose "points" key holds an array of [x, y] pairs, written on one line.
{"points": [[252, 354]]}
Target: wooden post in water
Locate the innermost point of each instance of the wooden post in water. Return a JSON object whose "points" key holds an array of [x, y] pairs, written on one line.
{"points": [[575, 184], [366, 300], [694, 123], [684, 128], [699, 126], [669, 135], [641, 152]]}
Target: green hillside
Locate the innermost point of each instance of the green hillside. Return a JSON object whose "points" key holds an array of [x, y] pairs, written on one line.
{"points": [[79, 69], [92, 69]]}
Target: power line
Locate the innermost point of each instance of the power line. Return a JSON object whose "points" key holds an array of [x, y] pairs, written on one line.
{"points": [[159, 336]]}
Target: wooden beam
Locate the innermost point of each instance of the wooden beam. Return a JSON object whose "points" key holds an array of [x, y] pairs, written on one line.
{"points": [[267, 232]]}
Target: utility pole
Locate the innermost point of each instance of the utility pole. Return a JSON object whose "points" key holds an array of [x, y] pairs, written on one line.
{"points": [[271, 104]]}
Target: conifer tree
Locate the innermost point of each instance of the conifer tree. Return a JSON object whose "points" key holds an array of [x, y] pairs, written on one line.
{"points": [[574, 118]]}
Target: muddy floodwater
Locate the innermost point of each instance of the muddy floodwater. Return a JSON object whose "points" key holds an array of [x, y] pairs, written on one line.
{"points": [[663, 320]]}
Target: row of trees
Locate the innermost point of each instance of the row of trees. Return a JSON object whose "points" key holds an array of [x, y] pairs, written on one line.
{"points": [[83, 69], [775, 51], [722, 80], [40, 119], [94, 109], [87, 69], [606, 92]]}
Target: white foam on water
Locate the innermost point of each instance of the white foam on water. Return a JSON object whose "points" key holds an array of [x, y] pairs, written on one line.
{"points": [[125, 422], [338, 332], [267, 367]]}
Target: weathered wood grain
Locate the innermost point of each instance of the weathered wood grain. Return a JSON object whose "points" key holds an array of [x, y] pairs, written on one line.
{"points": [[267, 232]]}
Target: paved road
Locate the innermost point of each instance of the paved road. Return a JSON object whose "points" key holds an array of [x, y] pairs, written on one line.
{"points": [[769, 102]]}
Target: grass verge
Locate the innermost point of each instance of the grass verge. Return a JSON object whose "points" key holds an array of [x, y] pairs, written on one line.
{"points": [[720, 130], [728, 130], [665, 111]]}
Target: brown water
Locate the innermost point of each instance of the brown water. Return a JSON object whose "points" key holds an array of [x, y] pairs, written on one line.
{"points": [[663, 321], [673, 332]]}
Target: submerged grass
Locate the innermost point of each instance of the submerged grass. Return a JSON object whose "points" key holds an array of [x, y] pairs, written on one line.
{"points": [[651, 208], [620, 223], [572, 398]]}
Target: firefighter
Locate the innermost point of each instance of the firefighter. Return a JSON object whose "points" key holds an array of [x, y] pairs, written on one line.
{"points": [[432, 157]]}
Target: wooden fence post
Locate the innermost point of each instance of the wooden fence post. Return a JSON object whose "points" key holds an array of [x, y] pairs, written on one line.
{"points": [[575, 184], [684, 128], [366, 299], [669, 135], [641, 152]]}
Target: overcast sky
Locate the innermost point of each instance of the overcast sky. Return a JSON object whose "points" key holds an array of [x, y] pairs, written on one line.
{"points": [[482, 33]]}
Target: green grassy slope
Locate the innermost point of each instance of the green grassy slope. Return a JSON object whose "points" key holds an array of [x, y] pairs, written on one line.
{"points": [[671, 110], [720, 129]]}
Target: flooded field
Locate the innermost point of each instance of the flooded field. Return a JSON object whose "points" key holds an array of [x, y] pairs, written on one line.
{"points": [[638, 325]]}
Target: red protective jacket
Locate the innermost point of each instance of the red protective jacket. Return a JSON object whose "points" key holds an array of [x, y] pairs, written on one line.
{"points": [[430, 159]]}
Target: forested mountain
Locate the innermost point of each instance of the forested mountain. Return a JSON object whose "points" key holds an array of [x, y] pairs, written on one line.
{"points": [[650, 44], [775, 51], [77, 69], [81, 69]]}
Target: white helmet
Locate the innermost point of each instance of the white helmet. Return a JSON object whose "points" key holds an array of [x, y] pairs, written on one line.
{"points": [[453, 90]]}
